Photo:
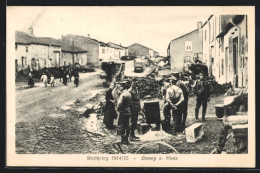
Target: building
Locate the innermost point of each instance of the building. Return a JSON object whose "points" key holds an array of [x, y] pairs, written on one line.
{"points": [[140, 50], [119, 50], [71, 54], [33, 53], [155, 54], [92, 47], [225, 48], [184, 49]]}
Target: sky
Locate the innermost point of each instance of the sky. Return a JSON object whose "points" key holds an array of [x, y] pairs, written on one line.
{"points": [[153, 27]]}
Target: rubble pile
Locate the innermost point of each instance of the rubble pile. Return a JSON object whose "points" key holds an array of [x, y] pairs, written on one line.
{"points": [[148, 86], [217, 88]]}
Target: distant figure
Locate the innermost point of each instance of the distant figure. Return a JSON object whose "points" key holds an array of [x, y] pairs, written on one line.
{"points": [[202, 90], [52, 81], [110, 113], [30, 80], [44, 78], [65, 78], [76, 79]]}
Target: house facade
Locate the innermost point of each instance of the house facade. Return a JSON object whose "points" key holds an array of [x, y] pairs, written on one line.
{"points": [[92, 47], [184, 49], [140, 50], [33, 53], [70, 54], [226, 49]]}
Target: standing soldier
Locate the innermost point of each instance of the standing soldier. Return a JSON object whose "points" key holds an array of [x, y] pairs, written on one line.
{"points": [[136, 109], [110, 114], [124, 108], [173, 99], [202, 90], [184, 113]]}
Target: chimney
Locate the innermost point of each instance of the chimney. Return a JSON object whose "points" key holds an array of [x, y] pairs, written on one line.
{"points": [[88, 35], [30, 31], [199, 25]]}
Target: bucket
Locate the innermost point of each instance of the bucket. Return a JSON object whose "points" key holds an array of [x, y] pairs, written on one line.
{"points": [[219, 108]]}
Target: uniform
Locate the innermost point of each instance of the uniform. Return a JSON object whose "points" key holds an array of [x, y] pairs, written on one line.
{"points": [[184, 104], [124, 108], [136, 109], [202, 91], [110, 113]]}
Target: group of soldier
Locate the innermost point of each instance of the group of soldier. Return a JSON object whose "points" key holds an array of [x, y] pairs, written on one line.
{"points": [[123, 104], [176, 95]]}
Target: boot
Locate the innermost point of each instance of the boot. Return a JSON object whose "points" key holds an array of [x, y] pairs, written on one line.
{"points": [[134, 138], [124, 141]]}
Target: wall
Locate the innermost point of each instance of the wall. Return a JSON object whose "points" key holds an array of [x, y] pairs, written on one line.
{"points": [[138, 50], [86, 44], [177, 49], [44, 56]]}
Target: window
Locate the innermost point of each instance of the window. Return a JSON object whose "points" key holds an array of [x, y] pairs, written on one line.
{"points": [[103, 50], [64, 63], [205, 35], [26, 48], [15, 46], [188, 45]]}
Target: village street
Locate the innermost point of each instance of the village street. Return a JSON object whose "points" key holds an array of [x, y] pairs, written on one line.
{"points": [[51, 120]]}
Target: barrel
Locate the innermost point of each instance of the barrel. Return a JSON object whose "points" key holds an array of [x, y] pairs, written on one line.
{"points": [[219, 108]]}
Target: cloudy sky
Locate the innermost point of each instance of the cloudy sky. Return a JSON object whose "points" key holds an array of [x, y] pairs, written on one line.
{"points": [[153, 27]]}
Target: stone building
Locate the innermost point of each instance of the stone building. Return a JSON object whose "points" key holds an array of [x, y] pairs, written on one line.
{"points": [[33, 53], [184, 49], [225, 48], [140, 50]]}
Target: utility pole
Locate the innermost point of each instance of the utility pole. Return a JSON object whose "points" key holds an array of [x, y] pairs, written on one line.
{"points": [[73, 53]]}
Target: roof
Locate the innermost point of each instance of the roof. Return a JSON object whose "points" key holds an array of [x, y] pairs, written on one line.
{"points": [[207, 21], [116, 45], [140, 45], [24, 38], [228, 22], [185, 34], [80, 36], [68, 47]]}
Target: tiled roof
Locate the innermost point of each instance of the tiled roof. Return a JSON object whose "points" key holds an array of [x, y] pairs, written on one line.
{"points": [[24, 38], [115, 45], [141, 45], [185, 34]]}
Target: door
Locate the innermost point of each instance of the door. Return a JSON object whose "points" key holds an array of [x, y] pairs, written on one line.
{"points": [[16, 65], [235, 49], [57, 59], [226, 65]]}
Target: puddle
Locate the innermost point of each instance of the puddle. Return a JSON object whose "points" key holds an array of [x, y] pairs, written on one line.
{"points": [[65, 107], [81, 110], [57, 115]]}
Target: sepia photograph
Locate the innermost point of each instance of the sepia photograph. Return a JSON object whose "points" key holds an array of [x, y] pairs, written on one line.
{"points": [[130, 86]]}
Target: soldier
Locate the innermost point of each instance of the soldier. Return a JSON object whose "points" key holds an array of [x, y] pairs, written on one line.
{"points": [[124, 108], [110, 114], [184, 112], [136, 109], [173, 99], [202, 90]]}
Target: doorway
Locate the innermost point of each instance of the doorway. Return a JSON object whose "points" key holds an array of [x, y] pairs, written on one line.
{"points": [[235, 49]]}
